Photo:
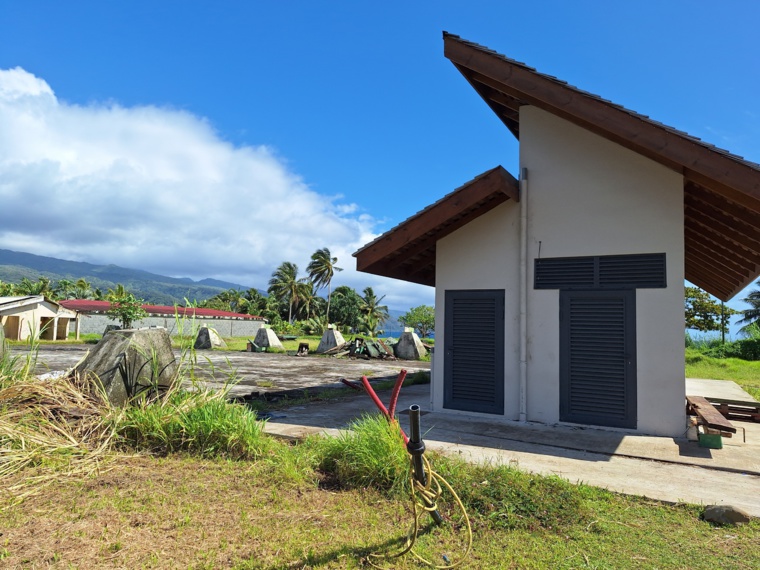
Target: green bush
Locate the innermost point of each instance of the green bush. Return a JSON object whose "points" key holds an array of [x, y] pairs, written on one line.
{"points": [[746, 349]]}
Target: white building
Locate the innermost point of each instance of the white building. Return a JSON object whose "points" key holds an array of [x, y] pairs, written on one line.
{"points": [[559, 297], [34, 316]]}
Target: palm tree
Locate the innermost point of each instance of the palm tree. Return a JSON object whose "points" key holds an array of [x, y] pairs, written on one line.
{"points": [[310, 305], [118, 292], [373, 312], [7, 289], [321, 270], [39, 287], [751, 316], [287, 287], [64, 288], [82, 287]]}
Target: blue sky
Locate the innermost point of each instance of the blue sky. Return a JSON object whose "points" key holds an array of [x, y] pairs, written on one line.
{"points": [[217, 139]]}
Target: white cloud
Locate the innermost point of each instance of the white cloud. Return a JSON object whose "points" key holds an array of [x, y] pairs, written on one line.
{"points": [[157, 189]]}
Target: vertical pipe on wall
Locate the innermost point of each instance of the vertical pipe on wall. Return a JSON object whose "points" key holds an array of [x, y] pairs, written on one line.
{"points": [[523, 294]]}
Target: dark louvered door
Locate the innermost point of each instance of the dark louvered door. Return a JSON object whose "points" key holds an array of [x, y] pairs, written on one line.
{"points": [[474, 351], [598, 358]]}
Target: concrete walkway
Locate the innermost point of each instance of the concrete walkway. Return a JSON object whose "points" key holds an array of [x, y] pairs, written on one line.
{"points": [[667, 469]]}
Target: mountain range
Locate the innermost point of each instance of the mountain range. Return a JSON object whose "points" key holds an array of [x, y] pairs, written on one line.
{"points": [[153, 288]]}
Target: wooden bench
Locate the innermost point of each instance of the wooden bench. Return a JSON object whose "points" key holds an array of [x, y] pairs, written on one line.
{"points": [[708, 416], [737, 409]]}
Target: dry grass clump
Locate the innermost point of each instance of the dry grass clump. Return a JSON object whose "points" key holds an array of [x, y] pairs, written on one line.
{"points": [[56, 425]]}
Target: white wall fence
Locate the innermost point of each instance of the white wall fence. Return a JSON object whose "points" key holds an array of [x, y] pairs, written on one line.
{"points": [[96, 324]]}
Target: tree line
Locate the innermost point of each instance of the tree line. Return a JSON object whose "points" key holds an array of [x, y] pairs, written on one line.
{"points": [[293, 303]]}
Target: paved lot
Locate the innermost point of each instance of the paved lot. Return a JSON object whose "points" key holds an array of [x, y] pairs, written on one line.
{"points": [[256, 372]]}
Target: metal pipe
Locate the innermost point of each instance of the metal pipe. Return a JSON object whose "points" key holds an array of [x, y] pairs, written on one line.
{"points": [[523, 295], [416, 448]]}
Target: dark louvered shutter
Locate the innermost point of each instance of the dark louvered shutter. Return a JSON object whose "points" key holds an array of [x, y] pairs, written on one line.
{"points": [[474, 351], [564, 272], [640, 271], [646, 271], [598, 360]]}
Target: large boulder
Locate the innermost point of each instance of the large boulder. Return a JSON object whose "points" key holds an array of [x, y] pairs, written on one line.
{"points": [[267, 338], [129, 362], [409, 346], [208, 338], [330, 339]]}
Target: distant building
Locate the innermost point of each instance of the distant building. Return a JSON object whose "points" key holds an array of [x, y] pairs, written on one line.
{"points": [[177, 320], [28, 316]]}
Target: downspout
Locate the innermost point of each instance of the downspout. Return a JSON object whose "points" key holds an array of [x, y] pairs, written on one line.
{"points": [[523, 294]]}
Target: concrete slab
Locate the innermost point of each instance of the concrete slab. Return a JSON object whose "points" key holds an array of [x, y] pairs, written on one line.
{"points": [[724, 389]]}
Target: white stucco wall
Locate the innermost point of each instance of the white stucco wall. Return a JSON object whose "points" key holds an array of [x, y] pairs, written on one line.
{"points": [[482, 255], [96, 323], [587, 196], [590, 196]]}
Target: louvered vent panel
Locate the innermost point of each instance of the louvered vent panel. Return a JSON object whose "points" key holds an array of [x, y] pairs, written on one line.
{"points": [[639, 271], [473, 341], [564, 272], [597, 363], [642, 271]]}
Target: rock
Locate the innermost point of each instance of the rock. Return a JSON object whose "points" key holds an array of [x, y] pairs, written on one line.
{"points": [[265, 337], [409, 346], [2, 342], [208, 338], [725, 514], [125, 361], [330, 339], [110, 328]]}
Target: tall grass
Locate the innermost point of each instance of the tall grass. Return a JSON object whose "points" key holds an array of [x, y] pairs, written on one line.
{"points": [[199, 422], [370, 454]]}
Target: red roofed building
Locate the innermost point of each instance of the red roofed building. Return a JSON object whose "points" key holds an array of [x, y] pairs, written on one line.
{"points": [[93, 318]]}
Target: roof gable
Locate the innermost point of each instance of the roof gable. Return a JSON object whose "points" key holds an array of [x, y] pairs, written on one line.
{"points": [[721, 190], [407, 252]]}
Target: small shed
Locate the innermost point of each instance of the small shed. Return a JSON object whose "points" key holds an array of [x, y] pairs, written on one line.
{"points": [[559, 292], [34, 316]]}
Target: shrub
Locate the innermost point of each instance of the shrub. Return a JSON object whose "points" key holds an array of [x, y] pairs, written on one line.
{"points": [[746, 349]]}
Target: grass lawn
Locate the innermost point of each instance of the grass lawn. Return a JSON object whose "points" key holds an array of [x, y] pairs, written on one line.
{"points": [[184, 512], [743, 372], [217, 492]]}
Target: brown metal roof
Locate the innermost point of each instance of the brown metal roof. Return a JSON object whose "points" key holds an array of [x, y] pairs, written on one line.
{"points": [[721, 190], [407, 252]]}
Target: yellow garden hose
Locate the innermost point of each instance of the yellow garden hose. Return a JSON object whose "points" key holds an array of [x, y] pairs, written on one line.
{"points": [[425, 501]]}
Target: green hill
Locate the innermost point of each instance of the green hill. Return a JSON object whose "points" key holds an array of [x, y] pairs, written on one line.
{"points": [[153, 288]]}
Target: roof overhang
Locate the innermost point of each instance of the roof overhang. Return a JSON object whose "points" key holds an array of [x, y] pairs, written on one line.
{"points": [[407, 252], [721, 190]]}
